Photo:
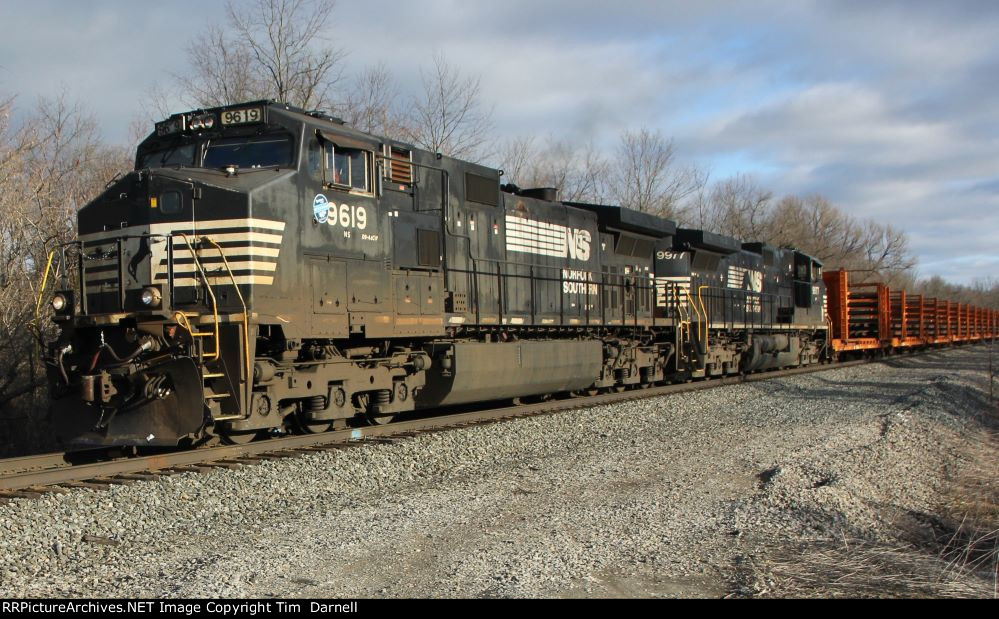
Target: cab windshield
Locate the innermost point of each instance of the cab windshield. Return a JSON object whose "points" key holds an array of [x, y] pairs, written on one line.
{"points": [[255, 152], [244, 152]]}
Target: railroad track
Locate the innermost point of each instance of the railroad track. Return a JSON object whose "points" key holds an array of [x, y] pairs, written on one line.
{"points": [[35, 476]]}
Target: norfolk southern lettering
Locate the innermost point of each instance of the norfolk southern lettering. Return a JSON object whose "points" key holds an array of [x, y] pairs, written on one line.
{"points": [[578, 282]]}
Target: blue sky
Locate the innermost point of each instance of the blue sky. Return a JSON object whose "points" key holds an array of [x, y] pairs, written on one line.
{"points": [[889, 108]]}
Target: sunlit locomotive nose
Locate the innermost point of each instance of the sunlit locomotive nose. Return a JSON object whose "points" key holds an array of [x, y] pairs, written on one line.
{"points": [[165, 256]]}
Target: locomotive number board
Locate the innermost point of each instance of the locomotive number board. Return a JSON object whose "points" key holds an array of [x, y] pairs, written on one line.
{"points": [[243, 116]]}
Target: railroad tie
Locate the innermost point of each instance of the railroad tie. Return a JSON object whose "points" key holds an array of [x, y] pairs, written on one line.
{"points": [[191, 468], [139, 476], [278, 455], [8, 495], [376, 440], [91, 484], [225, 464], [245, 460]]}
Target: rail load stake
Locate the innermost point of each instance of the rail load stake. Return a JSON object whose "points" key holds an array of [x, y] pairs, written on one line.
{"points": [[265, 269]]}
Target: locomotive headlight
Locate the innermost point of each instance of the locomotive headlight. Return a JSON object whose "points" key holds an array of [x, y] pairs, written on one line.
{"points": [[151, 297], [204, 121], [59, 302], [62, 303]]}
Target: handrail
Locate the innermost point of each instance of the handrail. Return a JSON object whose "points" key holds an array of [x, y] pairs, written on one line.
{"points": [[215, 309], [41, 291], [445, 179], [707, 318], [683, 311], [697, 311], [246, 321]]}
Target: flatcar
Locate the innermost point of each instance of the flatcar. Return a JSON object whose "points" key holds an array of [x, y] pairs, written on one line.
{"points": [[268, 269]]}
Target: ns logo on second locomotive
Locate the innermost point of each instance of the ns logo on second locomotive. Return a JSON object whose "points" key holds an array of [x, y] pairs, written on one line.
{"points": [[265, 269]]}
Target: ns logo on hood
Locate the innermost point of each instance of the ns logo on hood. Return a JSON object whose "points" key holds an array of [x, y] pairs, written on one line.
{"points": [[546, 239], [321, 208]]}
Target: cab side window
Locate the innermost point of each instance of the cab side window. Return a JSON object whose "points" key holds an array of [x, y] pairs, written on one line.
{"points": [[348, 168], [315, 159]]}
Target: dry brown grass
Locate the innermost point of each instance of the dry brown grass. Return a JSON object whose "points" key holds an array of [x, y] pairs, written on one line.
{"points": [[862, 569], [959, 558], [970, 507]]}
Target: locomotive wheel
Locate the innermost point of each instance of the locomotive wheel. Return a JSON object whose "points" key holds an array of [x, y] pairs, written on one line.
{"points": [[378, 420], [239, 438], [308, 426]]}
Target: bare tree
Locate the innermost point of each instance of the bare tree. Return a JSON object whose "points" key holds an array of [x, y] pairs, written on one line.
{"points": [[221, 71], [371, 103], [874, 251], [448, 116], [269, 49], [50, 165], [518, 158], [578, 170], [982, 292], [887, 249], [738, 207], [649, 179]]}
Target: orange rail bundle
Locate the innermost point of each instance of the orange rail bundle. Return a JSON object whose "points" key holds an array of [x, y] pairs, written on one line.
{"points": [[866, 317], [860, 313]]}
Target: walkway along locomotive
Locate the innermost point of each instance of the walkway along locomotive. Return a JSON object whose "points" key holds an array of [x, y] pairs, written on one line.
{"points": [[265, 268]]}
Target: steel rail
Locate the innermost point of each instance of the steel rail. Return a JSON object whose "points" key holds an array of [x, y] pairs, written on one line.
{"points": [[34, 473], [10, 466]]}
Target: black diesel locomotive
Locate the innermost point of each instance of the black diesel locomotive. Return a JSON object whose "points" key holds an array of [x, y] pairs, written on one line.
{"points": [[264, 268]]}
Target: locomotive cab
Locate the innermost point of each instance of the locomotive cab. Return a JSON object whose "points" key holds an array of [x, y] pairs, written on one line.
{"points": [[244, 243], [167, 255]]}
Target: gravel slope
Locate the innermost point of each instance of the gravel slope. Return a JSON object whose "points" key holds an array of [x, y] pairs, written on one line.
{"points": [[672, 496]]}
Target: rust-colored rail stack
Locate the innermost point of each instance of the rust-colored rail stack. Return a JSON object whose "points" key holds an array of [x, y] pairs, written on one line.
{"points": [[869, 317]]}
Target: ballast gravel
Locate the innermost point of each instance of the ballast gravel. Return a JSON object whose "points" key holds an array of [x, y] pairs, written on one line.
{"points": [[668, 496]]}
